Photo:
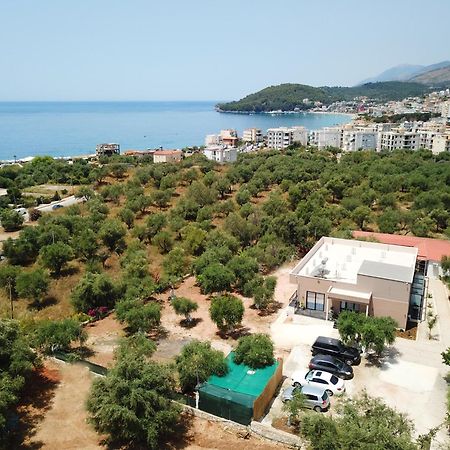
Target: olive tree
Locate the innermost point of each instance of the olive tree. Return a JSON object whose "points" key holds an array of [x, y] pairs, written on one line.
{"points": [[226, 311], [184, 306], [197, 362], [255, 351]]}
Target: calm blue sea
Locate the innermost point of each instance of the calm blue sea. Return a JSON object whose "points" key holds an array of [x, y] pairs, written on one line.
{"points": [[73, 128]]}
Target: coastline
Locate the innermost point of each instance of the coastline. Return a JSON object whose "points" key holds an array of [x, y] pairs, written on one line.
{"points": [[309, 111], [50, 129]]}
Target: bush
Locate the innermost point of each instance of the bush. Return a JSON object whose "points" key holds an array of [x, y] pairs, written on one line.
{"points": [[255, 351], [11, 220]]}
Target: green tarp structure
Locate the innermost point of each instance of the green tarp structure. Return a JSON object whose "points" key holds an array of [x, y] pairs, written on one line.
{"points": [[232, 396]]}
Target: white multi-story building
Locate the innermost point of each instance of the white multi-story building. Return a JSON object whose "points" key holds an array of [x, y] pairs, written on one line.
{"points": [[359, 139], [399, 138], [329, 137], [283, 137], [252, 135], [220, 153], [445, 110], [441, 143]]}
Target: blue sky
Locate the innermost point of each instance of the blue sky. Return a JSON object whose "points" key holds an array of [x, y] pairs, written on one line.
{"points": [[207, 49]]}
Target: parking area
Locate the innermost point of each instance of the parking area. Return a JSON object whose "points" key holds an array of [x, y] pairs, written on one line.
{"points": [[410, 377]]}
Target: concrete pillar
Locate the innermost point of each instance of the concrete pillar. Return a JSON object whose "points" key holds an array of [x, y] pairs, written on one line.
{"points": [[367, 310], [327, 308]]}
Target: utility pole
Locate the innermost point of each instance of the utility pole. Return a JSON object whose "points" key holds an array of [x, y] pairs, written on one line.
{"points": [[11, 300]]}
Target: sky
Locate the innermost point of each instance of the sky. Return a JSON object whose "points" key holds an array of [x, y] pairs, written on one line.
{"points": [[207, 49]]}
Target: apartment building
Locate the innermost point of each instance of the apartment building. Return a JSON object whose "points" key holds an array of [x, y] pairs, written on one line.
{"points": [[399, 138], [282, 137], [212, 139], [329, 137], [221, 154], [445, 111], [371, 278], [107, 149], [359, 139], [253, 135], [441, 143]]}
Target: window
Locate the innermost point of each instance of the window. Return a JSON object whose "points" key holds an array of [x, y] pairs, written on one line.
{"points": [[349, 306], [315, 300]]}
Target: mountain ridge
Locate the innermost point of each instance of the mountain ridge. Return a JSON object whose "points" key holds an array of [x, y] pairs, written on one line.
{"points": [[409, 72]]}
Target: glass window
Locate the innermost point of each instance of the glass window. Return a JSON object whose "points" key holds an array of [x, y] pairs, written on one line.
{"points": [[315, 300], [334, 379]]}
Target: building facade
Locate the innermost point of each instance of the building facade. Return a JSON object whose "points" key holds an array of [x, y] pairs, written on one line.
{"points": [[221, 154], [167, 156], [253, 135], [107, 149], [283, 137], [371, 278]]}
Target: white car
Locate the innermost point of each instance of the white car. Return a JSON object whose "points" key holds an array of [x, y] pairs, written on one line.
{"points": [[318, 378]]}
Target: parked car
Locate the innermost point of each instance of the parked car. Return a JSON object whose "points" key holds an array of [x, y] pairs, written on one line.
{"points": [[57, 206], [315, 398], [334, 347], [332, 365], [320, 379]]}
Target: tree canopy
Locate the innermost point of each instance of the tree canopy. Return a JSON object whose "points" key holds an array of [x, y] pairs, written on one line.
{"points": [[255, 351], [197, 362]]}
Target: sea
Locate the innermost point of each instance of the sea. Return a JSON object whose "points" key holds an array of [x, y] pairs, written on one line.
{"points": [[74, 128]]}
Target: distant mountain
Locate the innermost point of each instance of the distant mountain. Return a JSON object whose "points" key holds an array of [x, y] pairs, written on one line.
{"points": [[288, 97], [398, 73], [436, 77], [408, 72]]}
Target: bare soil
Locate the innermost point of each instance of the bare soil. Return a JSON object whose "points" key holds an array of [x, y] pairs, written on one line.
{"points": [[205, 434], [59, 420], [202, 326], [103, 337]]}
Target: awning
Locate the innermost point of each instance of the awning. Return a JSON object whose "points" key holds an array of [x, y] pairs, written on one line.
{"points": [[354, 296]]}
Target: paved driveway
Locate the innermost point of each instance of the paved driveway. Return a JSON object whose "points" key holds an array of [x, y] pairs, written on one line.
{"points": [[68, 201]]}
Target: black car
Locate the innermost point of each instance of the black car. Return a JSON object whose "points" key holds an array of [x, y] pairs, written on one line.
{"points": [[334, 347], [331, 364]]}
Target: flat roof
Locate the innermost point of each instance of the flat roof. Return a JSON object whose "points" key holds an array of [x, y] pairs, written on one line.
{"points": [[344, 259], [384, 270]]}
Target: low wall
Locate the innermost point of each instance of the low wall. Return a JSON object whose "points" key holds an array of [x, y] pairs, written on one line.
{"points": [[261, 403], [255, 428]]}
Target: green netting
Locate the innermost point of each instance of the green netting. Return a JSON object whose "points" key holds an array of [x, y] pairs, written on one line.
{"points": [[227, 404], [233, 395], [243, 379]]}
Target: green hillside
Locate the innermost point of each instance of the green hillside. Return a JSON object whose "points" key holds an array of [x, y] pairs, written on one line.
{"points": [[287, 97]]}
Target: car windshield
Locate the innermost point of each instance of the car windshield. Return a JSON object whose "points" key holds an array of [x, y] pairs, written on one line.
{"points": [[334, 379], [309, 376], [324, 396]]}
